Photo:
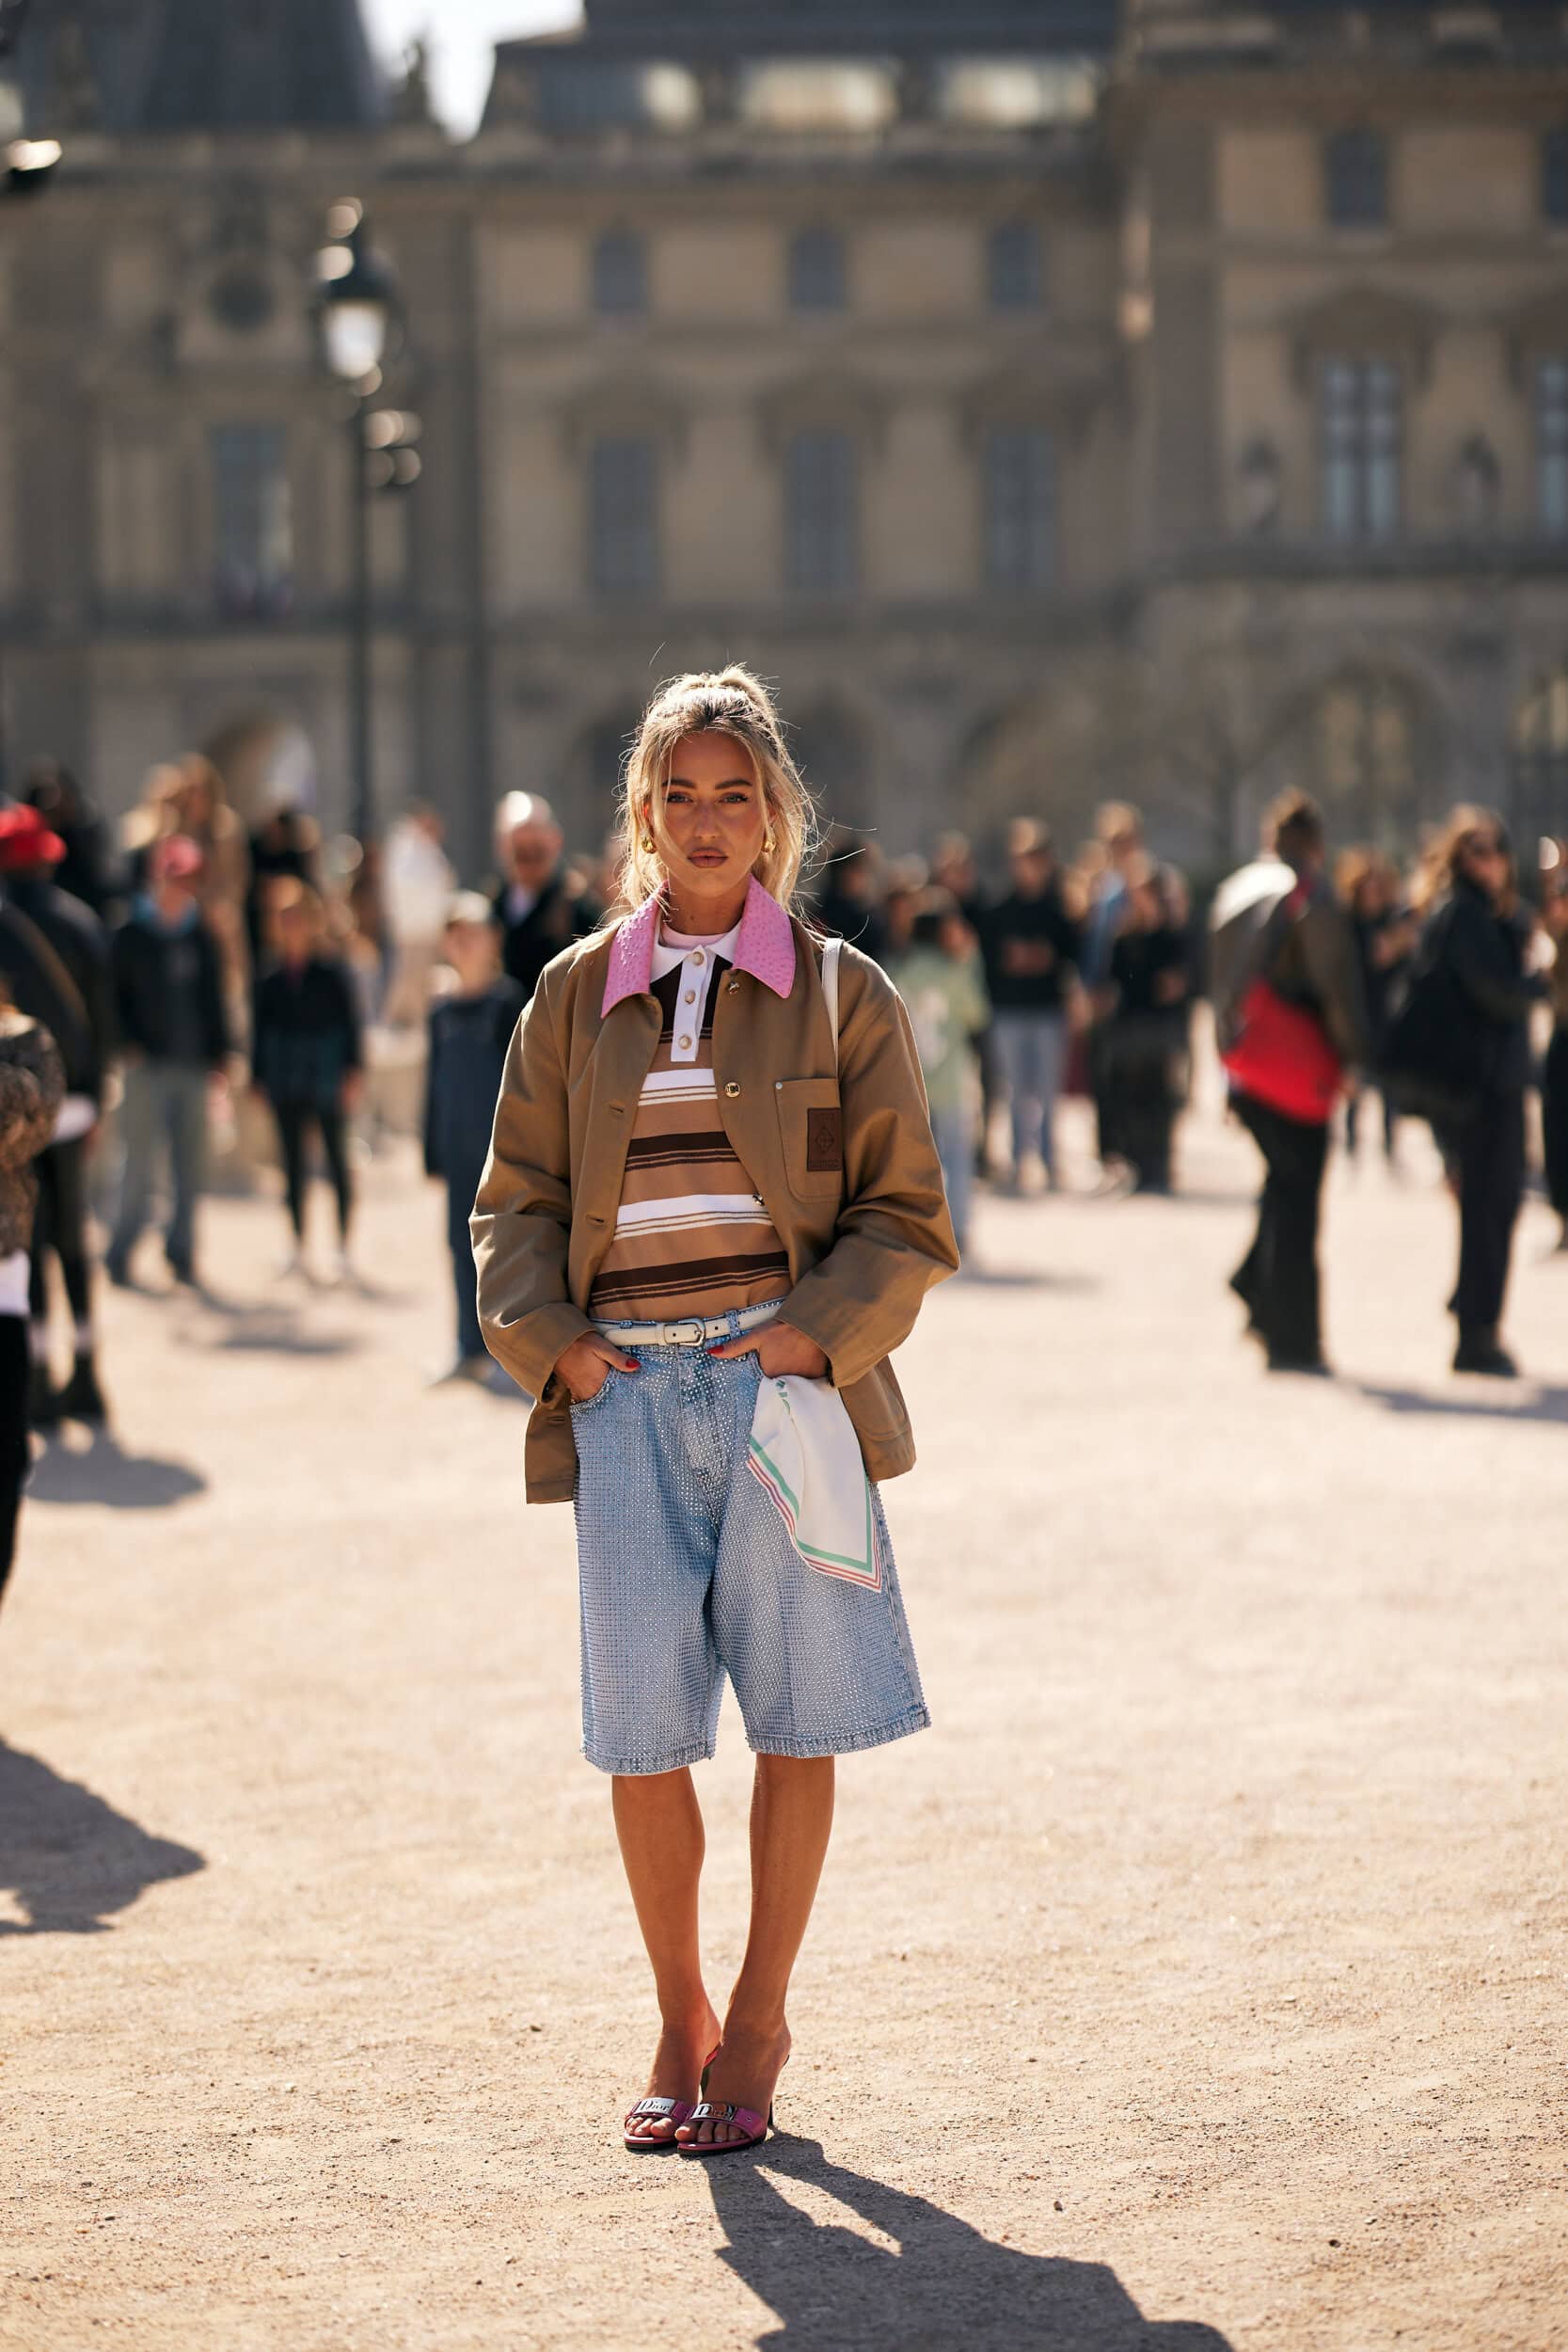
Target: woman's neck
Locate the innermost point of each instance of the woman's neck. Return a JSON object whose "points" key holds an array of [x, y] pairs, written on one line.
{"points": [[704, 919]]}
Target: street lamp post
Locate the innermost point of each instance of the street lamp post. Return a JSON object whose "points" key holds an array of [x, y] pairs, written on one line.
{"points": [[358, 312]]}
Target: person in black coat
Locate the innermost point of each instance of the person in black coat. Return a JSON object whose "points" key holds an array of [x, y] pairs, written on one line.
{"points": [[30, 855], [1032, 946], [174, 1036], [305, 1057], [1146, 1027], [469, 1033], [538, 912], [1472, 962]]}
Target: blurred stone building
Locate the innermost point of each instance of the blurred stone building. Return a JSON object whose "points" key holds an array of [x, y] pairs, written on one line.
{"points": [[1055, 398]]}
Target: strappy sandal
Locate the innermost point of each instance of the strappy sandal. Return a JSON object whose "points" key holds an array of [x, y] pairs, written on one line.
{"points": [[677, 2111], [756, 2128]]}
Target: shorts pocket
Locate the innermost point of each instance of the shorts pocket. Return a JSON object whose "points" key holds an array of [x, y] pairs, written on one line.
{"points": [[811, 1132]]}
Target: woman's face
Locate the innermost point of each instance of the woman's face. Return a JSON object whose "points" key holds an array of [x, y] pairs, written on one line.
{"points": [[714, 820], [1486, 861]]}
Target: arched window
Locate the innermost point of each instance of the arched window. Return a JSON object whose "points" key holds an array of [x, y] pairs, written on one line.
{"points": [[620, 275], [1015, 267], [818, 271], [1551, 448], [822, 513], [1539, 763], [834, 756], [622, 515], [1361, 447], [1355, 176], [1362, 749], [1019, 488], [1554, 176]]}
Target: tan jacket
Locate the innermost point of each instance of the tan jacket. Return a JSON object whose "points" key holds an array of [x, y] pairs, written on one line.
{"points": [[865, 1239]]}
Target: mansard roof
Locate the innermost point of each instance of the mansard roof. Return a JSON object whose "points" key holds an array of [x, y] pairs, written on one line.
{"points": [[199, 65], [261, 65], [779, 27]]}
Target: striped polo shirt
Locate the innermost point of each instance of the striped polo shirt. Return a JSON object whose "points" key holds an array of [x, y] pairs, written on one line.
{"points": [[691, 1234]]}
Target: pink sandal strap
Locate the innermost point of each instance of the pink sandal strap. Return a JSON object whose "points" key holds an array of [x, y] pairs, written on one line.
{"points": [[746, 2119], [677, 2111]]}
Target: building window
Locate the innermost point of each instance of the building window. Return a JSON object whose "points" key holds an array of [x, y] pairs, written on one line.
{"points": [[819, 272], [620, 275], [1015, 273], [622, 524], [1361, 432], [1020, 480], [1551, 447], [1554, 176], [1363, 745], [1355, 169], [252, 526], [821, 498]]}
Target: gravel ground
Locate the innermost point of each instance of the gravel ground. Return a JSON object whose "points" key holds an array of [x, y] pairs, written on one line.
{"points": [[1198, 1981]]}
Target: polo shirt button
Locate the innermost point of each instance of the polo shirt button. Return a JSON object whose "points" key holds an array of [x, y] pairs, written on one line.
{"points": [[733, 1088], [686, 1045], [691, 995]]}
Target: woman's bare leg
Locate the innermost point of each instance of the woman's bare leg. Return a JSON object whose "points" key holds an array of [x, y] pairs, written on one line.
{"points": [[792, 1817], [659, 1825]]}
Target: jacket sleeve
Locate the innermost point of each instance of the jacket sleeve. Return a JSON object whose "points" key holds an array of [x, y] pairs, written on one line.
{"points": [[432, 1051], [1474, 955], [32, 1086], [218, 1043], [1333, 967], [521, 1224], [354, 1058], [895, 1236]]}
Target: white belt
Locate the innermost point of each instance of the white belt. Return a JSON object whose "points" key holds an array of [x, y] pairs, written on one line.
{"points": [[690, 1331]]}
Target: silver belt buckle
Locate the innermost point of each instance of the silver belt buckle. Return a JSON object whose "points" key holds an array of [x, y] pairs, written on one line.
{"points": [[687, 1333]]}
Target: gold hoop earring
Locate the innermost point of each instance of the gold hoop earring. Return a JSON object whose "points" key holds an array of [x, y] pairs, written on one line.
{"points": [[649, 843], [769, 845]]}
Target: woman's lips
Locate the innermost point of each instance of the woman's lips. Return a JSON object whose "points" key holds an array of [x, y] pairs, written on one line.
{"points": [[708, 857]]}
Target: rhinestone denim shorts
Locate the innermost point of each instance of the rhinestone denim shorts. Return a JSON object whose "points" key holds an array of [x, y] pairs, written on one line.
{"points": [[687, 1574]]}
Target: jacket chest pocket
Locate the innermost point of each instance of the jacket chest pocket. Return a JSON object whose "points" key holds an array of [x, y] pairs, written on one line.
{"points": [[811, 1130]]}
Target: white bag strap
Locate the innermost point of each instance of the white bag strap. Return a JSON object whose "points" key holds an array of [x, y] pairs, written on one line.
{"points": [[830, 987]]}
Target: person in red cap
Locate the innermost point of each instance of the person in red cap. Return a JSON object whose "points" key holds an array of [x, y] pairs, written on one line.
{"points": [[31, 853], [168, 1000]]}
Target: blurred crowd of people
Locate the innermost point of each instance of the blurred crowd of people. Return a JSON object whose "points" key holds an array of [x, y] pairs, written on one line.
{"points": [[164, 970]]}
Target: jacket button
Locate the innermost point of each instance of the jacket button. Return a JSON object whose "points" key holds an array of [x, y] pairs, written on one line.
{"points": [[733, 1088]]}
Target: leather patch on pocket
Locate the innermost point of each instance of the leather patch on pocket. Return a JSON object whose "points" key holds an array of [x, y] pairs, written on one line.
{"points": [[824, 1140]]}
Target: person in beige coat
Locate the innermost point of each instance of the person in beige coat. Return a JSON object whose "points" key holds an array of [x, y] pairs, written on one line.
{"points": [[712, 1195]]}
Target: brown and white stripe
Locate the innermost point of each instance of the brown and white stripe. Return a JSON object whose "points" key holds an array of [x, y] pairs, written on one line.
{"points": [[691, 1234]]}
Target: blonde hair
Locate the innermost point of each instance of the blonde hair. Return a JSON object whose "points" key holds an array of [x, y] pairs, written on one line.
{"points": [[706, 702]]}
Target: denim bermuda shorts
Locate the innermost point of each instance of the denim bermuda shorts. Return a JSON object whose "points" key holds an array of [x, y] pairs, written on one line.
{"points": [[687, 1574]]}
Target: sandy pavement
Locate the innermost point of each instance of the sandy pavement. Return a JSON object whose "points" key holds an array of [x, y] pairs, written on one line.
{"points": [[1200, 1980]]}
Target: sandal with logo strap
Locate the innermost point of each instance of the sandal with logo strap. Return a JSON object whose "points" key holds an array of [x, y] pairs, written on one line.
{"points": [[756, 2127], [674, 2111]]}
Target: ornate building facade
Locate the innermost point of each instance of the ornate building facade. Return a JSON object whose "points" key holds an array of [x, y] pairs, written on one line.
{"points": [[1055, 398]]}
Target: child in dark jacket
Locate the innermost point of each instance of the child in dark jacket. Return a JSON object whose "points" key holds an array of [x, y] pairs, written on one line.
{"points": [[305, 1057], [469, 1033]]}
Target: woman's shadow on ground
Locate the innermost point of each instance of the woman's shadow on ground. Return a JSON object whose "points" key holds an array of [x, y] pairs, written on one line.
{"points": [[68, 1858], [947, 2288]]}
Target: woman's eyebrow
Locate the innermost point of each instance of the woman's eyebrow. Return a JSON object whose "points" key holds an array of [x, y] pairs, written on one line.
{"points": [[730, 783]]}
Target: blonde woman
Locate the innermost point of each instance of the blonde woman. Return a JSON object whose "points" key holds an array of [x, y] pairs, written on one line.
{"points": [[711, 1210]]}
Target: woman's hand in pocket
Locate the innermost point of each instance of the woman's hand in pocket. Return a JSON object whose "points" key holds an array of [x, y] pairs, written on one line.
{"points": [[587, 1364]]}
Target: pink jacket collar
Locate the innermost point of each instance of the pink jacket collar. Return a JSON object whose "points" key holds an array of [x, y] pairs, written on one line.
{"points": [[764, 948]]}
